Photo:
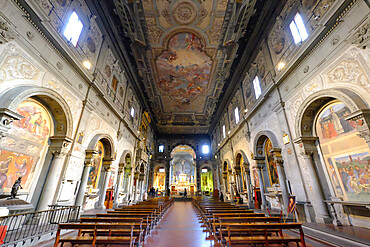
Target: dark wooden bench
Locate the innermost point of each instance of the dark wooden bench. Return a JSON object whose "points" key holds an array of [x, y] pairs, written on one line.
{"points": [[95, 239], [237, 231]]}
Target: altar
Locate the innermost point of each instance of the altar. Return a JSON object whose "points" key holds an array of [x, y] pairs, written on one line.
{"points": [[182, 176]]}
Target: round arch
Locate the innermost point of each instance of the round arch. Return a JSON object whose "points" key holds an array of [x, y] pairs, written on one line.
{"points": [[123, 156], [260, 139], [307, 111], [57, 105], [242, 153], [107, 142]]}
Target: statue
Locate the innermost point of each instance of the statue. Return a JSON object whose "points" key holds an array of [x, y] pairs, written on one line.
{"points": [[15, 187]]}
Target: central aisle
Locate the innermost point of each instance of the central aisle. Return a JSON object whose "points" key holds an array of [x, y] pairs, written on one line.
{"points": [[179, 227]]}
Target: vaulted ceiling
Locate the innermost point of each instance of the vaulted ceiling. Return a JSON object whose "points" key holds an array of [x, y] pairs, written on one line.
{"points": [[181, 53]]}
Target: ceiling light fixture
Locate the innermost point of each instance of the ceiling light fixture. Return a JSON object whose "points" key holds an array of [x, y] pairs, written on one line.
{"points": [[87, 64], [281, 65], [246, 110]]}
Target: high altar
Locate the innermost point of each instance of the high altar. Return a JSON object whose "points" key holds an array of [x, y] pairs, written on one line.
{"points": [[183, 176]]}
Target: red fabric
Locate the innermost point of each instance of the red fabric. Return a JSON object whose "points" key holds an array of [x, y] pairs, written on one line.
{"points": [[2, 233]]}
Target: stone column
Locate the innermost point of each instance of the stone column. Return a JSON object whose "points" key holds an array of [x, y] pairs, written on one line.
{"points": [[135, 185], [249, 191], [362, 118], [120, 173], [278, 159], [107, 172], [307, 149], [89, 157], [224, 182], [59, 148], [260, 163]]}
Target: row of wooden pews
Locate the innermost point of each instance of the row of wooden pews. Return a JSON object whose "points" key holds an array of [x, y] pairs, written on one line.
{"points": [[126, 226], [235, 225]]}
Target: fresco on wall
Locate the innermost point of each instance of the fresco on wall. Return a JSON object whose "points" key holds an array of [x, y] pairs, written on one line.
{"points": [[354, 171], [207, 181], [255, 178], [35, 126], [271, 165], [184, 68], [346, 154], [96, 166], [25, 143], [12, 166], [332, 122]]}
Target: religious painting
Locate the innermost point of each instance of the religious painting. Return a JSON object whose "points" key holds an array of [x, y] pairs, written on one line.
{"points": [[96, 166], [112, 177], [35, 126], [255, 178], [354, 171], [207, 181], [25, 144], [184, 68], [331, 122], [12, 166], [271, 165], [346, 155], [291, 205]]}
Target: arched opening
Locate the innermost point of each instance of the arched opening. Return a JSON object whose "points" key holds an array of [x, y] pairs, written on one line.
{"points": [[206, 178], [159, 178], [127, 173], [345, 153], [23, 151], [183, 174], [269, 191], [239, 174], [100, 174]]}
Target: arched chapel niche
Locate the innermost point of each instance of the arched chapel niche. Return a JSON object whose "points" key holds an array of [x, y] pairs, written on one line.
{"points": [[183, 171], [23, 150], [207, 180], [42, 126], [127, 173], [100, 169], [159, 178], [345, 153]]}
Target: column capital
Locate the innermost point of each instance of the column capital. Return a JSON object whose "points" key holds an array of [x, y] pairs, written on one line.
{"points": [[107, 164], [60, 145], [89, 156], [121, 167], [307, 144], [260, 162], [362, 119], [276, 152]]}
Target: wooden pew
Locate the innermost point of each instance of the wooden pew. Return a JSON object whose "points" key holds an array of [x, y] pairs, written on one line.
{"points": [[95, 239], [141, 228], [219, 225], [237, 231]]}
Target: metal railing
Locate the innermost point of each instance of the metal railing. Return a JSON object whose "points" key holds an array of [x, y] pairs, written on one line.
{"points": [[21, 227]]}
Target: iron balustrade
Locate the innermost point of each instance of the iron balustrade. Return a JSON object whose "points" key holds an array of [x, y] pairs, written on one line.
{"points": [[22, 227]]}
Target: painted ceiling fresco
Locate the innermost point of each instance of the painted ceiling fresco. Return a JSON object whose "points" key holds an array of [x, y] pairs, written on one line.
{"points": [[183, 70], [184, 36]]}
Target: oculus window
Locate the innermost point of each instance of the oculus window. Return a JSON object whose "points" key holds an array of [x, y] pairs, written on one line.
{"points": [[257, 87], [298, 29], [73, 29], [236, 111], [161, 148], [205, 149]]}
